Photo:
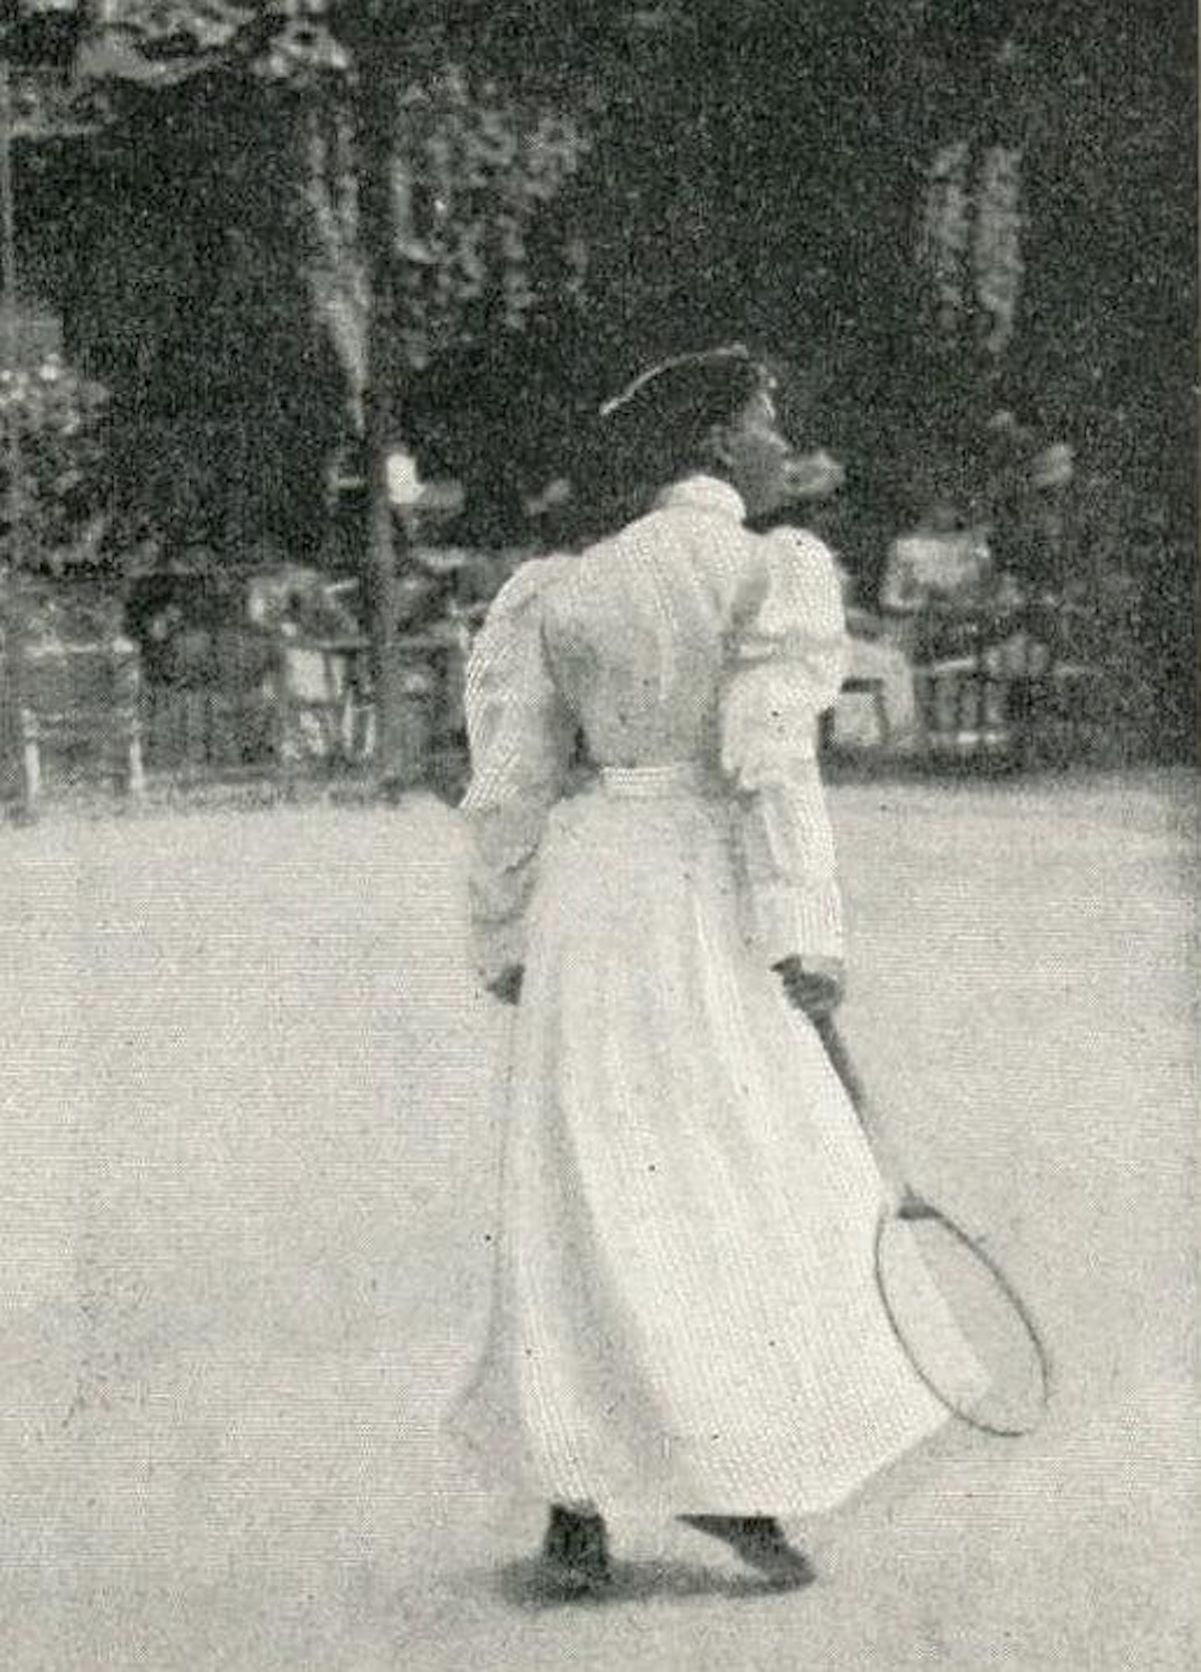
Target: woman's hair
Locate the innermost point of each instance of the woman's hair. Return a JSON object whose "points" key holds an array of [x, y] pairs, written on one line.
{"points": [[659, 428]]}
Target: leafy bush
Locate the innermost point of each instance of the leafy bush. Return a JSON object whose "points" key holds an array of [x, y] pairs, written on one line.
{"points": [[52, 479]]}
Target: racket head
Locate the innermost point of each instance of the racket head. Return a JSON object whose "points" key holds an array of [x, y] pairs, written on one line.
{"points": [[967, 1333]]}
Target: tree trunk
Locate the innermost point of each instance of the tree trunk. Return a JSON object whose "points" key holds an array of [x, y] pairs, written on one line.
{"points": [[400, 751]]}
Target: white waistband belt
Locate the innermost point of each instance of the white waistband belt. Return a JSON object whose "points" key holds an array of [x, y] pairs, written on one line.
{"points": [[668, 778]]}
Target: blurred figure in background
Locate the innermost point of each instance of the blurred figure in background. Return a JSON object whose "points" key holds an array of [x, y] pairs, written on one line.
{"points": [[940, 569], [957, 616]]}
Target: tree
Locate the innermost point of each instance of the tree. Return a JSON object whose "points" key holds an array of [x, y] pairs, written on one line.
{"points": [[956, 217], [55, 512], [432, 144]]}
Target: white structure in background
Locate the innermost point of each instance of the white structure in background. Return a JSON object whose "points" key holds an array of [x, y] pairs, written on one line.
{"points": [[412, 496], [969, 241], [404, 479]]}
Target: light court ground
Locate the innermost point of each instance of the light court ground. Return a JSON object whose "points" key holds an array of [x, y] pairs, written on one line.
{"points": [[246, 1202]]}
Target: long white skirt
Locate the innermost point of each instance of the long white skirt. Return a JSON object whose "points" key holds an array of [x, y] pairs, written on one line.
{"points": [[685, 1317]]}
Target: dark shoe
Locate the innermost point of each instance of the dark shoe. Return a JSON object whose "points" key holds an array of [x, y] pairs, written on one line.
{"points": [[575, 1552], [759, 1540]]}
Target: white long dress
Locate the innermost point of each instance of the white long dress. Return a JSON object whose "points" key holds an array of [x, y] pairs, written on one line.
{"points": [[684, 1317]]}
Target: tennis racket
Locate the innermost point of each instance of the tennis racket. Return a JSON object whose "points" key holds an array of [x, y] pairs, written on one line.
{"points": [[966, 1331]]}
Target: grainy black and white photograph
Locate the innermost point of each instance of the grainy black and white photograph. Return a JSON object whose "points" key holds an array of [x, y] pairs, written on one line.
{"points": [[598, 836]]}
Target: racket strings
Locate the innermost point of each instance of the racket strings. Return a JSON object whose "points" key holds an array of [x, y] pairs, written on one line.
{"points": [[967, 1333]]}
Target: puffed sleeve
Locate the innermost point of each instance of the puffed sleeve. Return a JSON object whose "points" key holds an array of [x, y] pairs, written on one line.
{"points": [[520, 739], [787, 659]]}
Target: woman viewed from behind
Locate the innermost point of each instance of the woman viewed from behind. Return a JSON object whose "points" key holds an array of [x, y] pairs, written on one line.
{"points": [[685, 1321]]}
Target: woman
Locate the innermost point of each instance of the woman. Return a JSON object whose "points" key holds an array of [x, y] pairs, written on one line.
{"points": [[684, 1319]]}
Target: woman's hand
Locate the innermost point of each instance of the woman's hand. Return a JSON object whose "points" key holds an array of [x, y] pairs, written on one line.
{"points": [[814, 984], [507, 986]]}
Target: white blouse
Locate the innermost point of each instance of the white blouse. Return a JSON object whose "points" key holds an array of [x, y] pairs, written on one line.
{"points": [[684, 638]]}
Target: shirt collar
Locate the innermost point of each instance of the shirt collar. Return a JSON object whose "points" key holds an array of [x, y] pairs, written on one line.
{"points": [[704, 493]]}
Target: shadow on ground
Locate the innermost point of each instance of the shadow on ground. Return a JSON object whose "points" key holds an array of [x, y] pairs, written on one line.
{"points": [[527, 1586]]}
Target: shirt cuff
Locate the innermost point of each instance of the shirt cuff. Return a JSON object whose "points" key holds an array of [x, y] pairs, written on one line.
{"points": [[795, 923]]}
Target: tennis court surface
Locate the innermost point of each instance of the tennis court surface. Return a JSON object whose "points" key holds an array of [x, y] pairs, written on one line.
{"points": [[246, 1203]]}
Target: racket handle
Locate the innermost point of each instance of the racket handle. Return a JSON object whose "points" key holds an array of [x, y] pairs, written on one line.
{"points": [[909, 1204], [840, 1060]]}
